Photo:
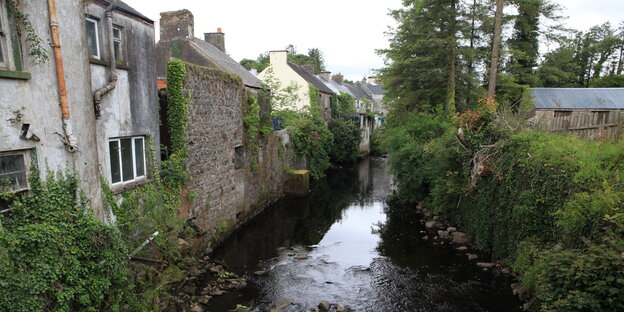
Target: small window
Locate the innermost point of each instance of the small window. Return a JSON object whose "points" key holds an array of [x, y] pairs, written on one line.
{"points": [[92, 37], [127, 159], [239, 157], [117, 44], [14, 171]]}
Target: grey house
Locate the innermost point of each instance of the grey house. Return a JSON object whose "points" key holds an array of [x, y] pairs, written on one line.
{"points": [[105, 118]]}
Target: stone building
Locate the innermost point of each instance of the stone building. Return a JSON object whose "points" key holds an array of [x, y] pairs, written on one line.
{"points": [[100, 72], [232, 178]]}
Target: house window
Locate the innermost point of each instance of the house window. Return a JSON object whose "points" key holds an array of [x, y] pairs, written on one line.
{"points": [[92, 38], [127, 159], [117, 44], [5, 38], [14, 171]]}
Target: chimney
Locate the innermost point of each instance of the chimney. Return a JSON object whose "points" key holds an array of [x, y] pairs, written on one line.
{"points": [[176, 25], [373, 80], [338, 77], [326, 75], [309, 68], [217, 39], [278, 57]]}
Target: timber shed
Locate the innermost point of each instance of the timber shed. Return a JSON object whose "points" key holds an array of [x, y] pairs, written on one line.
{"points": [[588, 112]]}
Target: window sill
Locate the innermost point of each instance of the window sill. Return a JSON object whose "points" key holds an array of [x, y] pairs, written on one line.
{"points": [[98, 61], [118, 189], [14, 74]]}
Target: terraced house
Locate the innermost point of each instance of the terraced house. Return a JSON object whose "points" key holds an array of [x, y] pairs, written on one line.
{"points": [[87, 103]]}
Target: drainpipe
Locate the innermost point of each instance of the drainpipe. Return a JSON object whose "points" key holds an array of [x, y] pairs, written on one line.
{"points": [[68, 136], [112, 82]]}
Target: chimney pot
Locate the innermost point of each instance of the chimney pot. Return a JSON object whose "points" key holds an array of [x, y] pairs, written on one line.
{"points": [[219, 30]]}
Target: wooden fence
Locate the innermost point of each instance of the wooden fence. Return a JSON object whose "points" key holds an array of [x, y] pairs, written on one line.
{"points": [[593, 126]]}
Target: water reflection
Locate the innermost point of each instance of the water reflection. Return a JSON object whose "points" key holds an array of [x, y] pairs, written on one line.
{"points": [[362, 253]]}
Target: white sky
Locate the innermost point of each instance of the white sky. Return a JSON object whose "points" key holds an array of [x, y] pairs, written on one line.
{"points": [[347, 31]]}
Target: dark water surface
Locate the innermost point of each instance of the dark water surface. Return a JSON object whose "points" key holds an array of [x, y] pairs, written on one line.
{"points": [[363, 253]]}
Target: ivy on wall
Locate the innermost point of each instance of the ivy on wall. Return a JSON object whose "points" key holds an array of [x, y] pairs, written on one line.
{"points": [[36, 50], [55, 255]]}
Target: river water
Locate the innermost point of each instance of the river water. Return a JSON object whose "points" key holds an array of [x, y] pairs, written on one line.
{"points": [[362, 252]]}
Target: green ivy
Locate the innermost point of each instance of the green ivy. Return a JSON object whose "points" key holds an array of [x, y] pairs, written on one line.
{"points": [[37, 51], [254, 125], [177, 109], [56, 256]]}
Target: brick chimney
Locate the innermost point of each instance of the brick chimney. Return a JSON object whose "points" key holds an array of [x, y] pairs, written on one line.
{"points": [[217, 39], [326, 75], [176, 25], [278, 57]]}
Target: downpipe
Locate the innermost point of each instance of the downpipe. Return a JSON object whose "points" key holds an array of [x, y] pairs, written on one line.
{"points": [[112, 82], [70, 141]]}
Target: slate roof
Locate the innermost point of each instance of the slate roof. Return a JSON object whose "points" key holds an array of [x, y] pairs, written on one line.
{"points": [[357, 91], [376, 89], [309, 77], [123, 7], [341, 87], [226, 62], [578, 98]]}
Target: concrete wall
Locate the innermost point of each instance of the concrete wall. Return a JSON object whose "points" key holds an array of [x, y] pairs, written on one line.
{"points": [[131, 109], [286, 76], [36, 100]]}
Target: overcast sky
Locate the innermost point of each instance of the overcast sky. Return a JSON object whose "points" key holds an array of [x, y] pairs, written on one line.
{"points": [[347, 31]]}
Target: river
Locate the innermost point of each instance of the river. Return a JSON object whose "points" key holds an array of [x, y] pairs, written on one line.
{"points": [[345, 244]]}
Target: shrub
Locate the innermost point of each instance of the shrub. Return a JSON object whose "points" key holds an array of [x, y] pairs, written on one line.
{"points": [[56, 256], [347, 137]]}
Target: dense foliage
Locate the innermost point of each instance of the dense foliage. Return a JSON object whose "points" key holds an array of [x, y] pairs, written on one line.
{"points": [[545, 202], [347, 137], [55, 255]]}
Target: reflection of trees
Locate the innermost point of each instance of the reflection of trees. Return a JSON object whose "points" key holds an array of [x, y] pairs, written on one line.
{"points": [[299, 221], [400, 240]]}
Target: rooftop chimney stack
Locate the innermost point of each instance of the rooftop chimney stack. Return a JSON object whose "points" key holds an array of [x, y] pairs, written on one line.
{"points": [[217, 39], [176, 25], [278, 57], [309, 68], [338, 77], [326, 75]]}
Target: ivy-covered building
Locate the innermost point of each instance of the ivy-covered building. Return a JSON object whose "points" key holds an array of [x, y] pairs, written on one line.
{"points": [[77, 94]]}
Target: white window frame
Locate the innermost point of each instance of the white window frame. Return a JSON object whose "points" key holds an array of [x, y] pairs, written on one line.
{"points": [[97, 37], [121, 44], [27, 162], [134, 167]]}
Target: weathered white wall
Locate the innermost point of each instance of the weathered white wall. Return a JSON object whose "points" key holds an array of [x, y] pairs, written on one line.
{"points": [[286, 76], [37, 98]]}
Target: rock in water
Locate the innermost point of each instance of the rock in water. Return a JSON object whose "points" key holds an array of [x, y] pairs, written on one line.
{"points": [[460, 238], [324, 306]]}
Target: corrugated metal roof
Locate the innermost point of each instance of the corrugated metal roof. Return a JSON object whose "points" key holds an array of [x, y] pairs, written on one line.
{"points": [[578, 98], [309, 77], [226, 62]]}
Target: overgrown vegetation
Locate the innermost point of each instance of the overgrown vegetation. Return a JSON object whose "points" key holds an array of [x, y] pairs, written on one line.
{"points": [[546, 203], [55, 255]]}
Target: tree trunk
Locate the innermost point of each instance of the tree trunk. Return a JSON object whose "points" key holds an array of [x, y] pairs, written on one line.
{"points": [[496, 48], [619, 65], [471, 55], [450, 95]]}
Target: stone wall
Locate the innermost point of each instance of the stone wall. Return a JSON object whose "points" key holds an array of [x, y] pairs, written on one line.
{"points": [[229, 181]]}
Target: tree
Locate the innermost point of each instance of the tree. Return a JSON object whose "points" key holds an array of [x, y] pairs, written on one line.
{"points": [[495, 48], [422, 70], [524, 43]]}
